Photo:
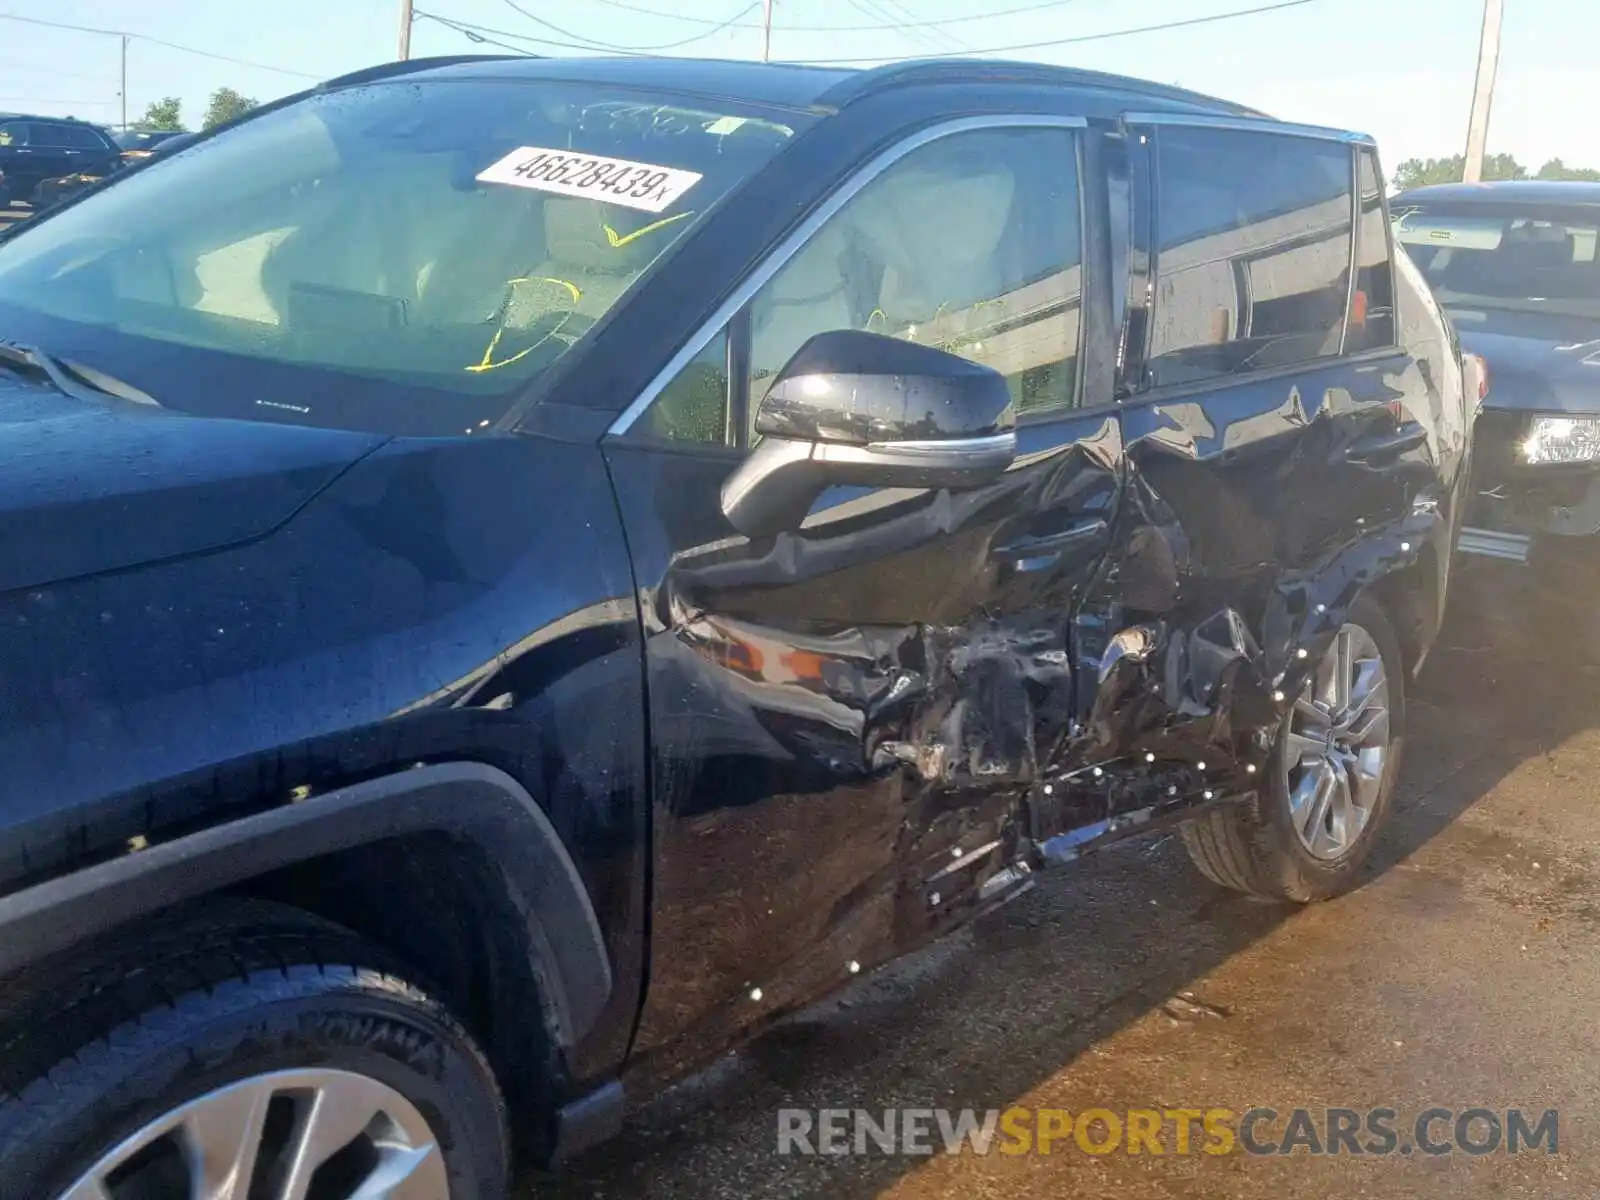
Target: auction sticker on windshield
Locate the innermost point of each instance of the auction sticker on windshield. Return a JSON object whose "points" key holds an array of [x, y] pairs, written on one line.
{"points": [[592, 177]]}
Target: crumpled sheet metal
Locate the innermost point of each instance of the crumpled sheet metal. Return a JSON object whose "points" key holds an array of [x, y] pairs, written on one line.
{"points": [[1188, 705]]}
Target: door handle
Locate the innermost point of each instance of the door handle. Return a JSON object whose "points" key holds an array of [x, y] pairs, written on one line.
{"points": [[1388, 445], [1037, 553]]}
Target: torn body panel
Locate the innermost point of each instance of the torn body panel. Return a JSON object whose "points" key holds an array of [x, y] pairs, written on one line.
{"points": [[846, 718], [1251, 523]]}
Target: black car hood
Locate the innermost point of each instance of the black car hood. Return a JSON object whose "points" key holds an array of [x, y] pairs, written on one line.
{"points": [[1538, 374], [87, 488]]}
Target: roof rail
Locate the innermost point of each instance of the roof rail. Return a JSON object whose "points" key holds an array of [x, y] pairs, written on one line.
{"points": [[410, 66], [990, 70], [22, 116]]}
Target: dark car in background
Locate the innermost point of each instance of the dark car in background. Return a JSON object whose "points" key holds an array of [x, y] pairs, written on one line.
{"points": [[53, 191], [137, 144], [1517, 267], [36, 149], [517, 571]]}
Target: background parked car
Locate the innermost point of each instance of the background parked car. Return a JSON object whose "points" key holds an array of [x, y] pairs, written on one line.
{"points": [[1517, 266], [141, 143], [52, 191], [34, 149]]}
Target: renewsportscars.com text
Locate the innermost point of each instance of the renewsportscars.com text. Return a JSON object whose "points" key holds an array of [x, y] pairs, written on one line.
{"points": [[1157, 1131]]}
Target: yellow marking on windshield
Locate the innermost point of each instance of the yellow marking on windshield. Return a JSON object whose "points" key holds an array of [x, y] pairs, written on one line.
{"points": [[619, 240], [487, 363]]}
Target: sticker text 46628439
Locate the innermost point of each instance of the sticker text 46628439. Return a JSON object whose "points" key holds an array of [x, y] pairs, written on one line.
{"points": [[593, 177]]}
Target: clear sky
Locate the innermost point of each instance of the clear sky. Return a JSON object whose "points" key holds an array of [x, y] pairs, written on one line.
{"points": [[1399, 69]]}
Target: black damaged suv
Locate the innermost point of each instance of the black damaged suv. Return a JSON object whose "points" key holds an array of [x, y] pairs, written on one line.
{"points": [[516, 569]]}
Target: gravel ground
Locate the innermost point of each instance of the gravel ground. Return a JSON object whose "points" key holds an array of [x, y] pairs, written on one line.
{"points": [[1462, 973]]}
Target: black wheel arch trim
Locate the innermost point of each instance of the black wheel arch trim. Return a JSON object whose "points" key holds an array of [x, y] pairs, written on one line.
{"points": [[470, 800]]}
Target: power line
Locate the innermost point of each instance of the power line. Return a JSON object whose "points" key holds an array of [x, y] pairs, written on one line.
{"points": [[921, 37], [473, 34], [1072, 41], [487, 35], [567, 33], [881, 28], [925, 37], [155, 41], [11, 64], [912, 21]]}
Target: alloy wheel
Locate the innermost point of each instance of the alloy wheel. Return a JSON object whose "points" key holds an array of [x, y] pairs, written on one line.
{"points": [[289, 1135], [1338, 745]]}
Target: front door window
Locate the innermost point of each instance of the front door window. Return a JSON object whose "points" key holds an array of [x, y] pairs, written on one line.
{"points": [[971, 243]]}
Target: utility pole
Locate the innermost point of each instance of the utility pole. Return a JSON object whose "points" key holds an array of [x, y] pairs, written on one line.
{"points": [[124, 82], [766, 31], [406, 20], [1483, 91]]}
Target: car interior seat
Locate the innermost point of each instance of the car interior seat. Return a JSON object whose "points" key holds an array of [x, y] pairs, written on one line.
{"points": [[937, 233]]}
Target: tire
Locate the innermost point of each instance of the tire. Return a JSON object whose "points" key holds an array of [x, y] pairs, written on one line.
{"points": [[1253, 846], [101, 1048]]}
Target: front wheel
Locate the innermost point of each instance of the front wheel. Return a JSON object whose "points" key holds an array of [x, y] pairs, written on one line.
{"points": [[1307, 833], [252, 1051]]}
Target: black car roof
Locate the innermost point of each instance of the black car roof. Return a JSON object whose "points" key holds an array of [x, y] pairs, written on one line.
{"points": [[793, 85], [21, 116], [1508, 191]]}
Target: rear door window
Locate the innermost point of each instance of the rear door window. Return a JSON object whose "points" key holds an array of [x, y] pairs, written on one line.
{"points": [[13, 133], [1253, 252], [81, 137], [46, 135]]}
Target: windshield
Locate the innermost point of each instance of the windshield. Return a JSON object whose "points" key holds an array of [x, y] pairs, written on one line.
{"points": [[402, 257], [1510, 260]]}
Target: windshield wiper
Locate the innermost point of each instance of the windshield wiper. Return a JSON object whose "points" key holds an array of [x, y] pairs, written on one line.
{"points": [[74, 379]]}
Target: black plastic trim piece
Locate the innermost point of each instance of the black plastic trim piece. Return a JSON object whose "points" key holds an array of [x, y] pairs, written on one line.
{"points": [[589, 1120], [470, 800]]}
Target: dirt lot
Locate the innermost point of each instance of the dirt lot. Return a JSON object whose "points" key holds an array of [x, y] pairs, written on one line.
{"points": [[1463, 973]]}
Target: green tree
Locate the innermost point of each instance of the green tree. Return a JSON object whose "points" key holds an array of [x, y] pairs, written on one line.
{"points": [[162, 115], [1419, 172], [1556, 169], [226, 104]]}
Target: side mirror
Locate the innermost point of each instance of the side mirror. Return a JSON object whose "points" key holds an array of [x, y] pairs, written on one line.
{"points": [[873, 411]]}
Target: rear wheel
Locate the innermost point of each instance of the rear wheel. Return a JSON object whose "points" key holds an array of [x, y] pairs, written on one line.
{"points": [[255, 1051], [1306, 834]]}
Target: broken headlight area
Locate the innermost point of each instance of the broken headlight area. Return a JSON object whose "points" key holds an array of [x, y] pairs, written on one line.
{"points": [[1534, 480], [1553, 440]]}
